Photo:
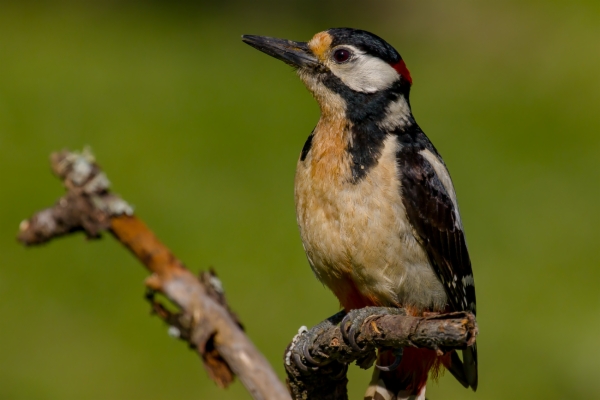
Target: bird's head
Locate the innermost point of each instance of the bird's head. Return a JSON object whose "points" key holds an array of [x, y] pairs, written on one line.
{"points": [[342, 62]]}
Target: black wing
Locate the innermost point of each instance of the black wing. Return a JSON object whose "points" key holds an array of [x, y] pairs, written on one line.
{"points": [[436, 221], [432, 214]]}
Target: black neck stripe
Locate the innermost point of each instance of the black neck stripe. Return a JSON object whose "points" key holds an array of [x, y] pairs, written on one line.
{"points": [[365, 111]]}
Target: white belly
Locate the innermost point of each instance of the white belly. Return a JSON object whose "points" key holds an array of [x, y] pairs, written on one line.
{"points": [[360, 231]]}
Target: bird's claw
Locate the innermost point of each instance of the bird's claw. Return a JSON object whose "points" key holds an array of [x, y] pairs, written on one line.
{"points": [[349, 335], [310, 359], [394, 366], [299, 351]]}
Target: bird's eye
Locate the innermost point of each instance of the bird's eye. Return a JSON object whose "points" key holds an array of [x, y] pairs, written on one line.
{"points": [[341, 55]]}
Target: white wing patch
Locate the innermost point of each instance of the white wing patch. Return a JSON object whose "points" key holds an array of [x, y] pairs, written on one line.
{"points": [[444, 177], [364, 73], [468, 280]]}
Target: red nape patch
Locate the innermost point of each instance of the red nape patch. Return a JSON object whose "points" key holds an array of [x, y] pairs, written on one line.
{"points": [[400, 68]]}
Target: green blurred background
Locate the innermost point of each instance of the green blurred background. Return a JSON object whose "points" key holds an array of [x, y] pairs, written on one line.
{"points": [[201, 133]]}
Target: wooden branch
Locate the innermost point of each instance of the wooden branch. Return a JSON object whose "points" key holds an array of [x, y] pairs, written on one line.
{"points": [[442, 333], [204, 321]]}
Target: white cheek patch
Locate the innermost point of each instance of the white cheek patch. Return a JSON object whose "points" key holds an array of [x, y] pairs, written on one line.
{"points": [[365, 73]]}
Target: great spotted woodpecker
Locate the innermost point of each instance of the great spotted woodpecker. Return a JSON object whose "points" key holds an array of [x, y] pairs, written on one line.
{"points": [[375, 204]]}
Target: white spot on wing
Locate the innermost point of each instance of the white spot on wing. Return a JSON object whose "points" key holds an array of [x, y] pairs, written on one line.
{"points": [[468, 280]]}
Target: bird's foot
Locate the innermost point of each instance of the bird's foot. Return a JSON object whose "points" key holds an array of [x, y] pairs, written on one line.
{"points": [[357, 318], [299, 351]]}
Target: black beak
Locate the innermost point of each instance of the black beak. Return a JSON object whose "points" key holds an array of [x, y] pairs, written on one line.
{"points": [[296, 54]]}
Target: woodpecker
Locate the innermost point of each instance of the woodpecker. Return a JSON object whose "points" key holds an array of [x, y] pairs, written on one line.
{"points": [[375, 203]]}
